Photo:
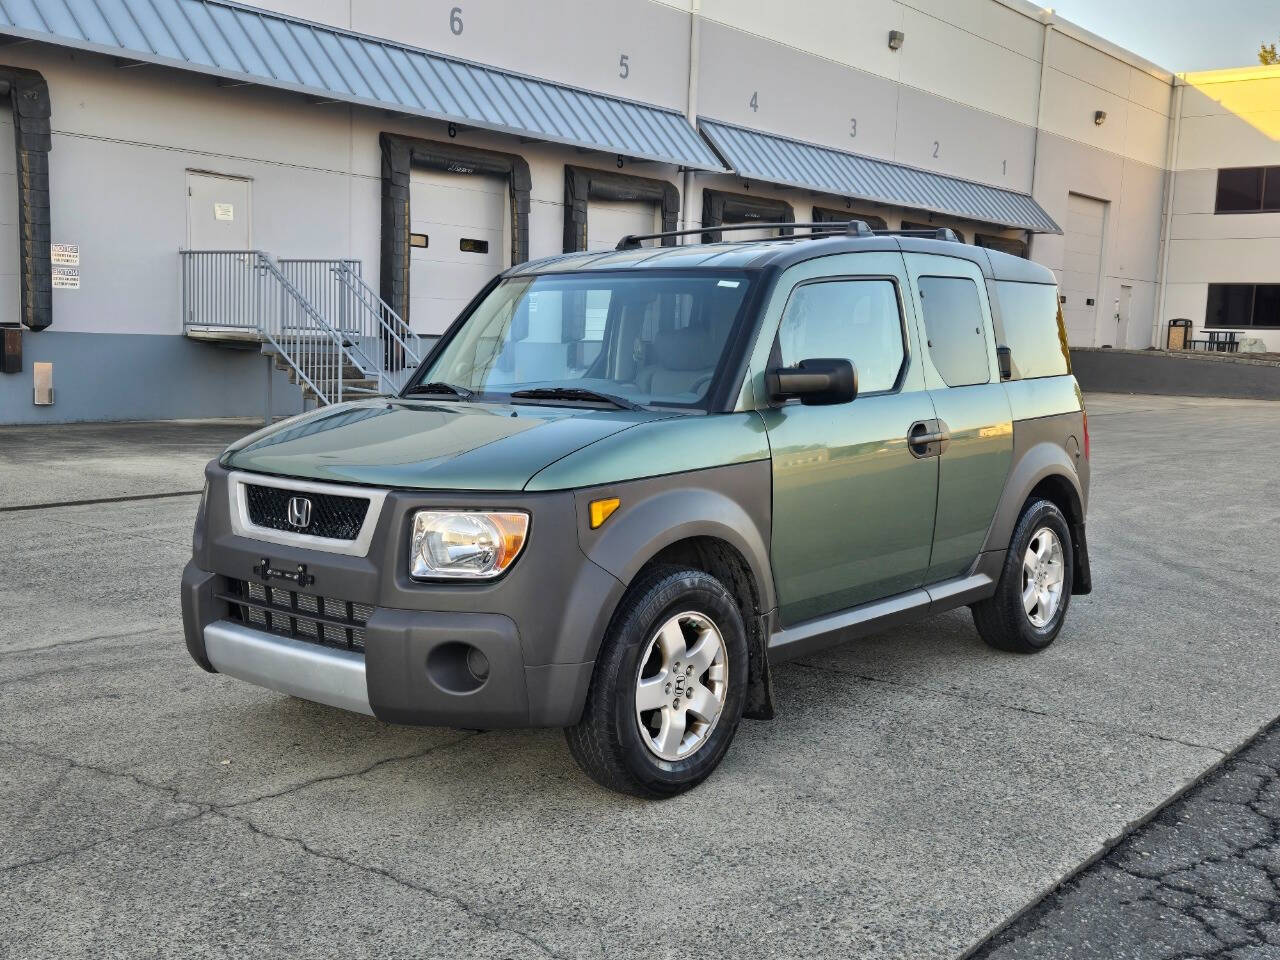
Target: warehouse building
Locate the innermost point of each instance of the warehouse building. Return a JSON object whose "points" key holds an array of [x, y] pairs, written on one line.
{"points": [[211, 206]]}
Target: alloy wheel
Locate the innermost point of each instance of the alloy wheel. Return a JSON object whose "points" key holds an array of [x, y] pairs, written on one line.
{"points": [[681, 685], [1043, 573]]}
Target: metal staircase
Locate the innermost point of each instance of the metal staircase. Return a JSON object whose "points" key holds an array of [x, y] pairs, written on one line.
{"points": [[317, 319]]}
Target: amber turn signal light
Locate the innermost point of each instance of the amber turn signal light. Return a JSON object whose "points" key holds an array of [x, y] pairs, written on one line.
{"points": [[602, 510]]}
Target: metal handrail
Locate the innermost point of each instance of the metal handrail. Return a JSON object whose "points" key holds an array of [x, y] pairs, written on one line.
{"points": [[403, 349], [380, 343], [246, 290]]}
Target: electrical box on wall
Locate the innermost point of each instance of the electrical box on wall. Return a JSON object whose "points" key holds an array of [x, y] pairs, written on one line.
{"points": [[43, 377], [11, 350]]}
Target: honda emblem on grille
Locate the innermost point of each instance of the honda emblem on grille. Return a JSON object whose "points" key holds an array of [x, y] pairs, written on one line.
{"points": [[299, 512]]}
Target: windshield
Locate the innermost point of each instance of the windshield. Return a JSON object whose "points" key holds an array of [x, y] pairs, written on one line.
{"points": [[638, 337]]}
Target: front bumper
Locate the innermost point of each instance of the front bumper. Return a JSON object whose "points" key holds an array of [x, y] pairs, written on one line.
{"points": [[536, 629], [401, 676]]}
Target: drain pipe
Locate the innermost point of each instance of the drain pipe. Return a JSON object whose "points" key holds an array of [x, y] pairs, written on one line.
{"points": [[1166, 226], [691, 108], [1046, 18]]}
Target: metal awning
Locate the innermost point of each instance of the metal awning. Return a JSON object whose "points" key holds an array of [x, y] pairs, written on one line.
{"points": [[243, 43], [774, 159]]}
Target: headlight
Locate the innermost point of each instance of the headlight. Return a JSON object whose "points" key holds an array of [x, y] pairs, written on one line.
{"points": [[465, 544]]}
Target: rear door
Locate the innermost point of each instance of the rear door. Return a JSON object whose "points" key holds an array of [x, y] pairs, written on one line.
{"points": [[456, 246], [853, 507], [960, 370]]}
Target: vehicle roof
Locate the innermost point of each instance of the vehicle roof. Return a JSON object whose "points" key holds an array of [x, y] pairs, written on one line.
{"points": [[753, 255]]}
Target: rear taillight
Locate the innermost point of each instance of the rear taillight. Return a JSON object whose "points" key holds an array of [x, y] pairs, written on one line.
{"points": [[1086, 435]]}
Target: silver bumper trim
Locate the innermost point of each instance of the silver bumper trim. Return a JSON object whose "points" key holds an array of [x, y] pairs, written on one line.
{"points": [[307, 670]]}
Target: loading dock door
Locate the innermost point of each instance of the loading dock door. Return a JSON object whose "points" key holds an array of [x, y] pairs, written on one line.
{"points": [[738, 235], [1081, 268], [456, 244], [10, 259], [218, 214], [608, 221]]}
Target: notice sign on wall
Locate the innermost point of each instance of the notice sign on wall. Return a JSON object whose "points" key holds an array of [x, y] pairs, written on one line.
{"points": [[66, 278], [65, 254], [224, 211]]}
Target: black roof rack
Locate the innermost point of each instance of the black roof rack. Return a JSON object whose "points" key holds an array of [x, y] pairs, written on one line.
{"points": [[834, 228]]}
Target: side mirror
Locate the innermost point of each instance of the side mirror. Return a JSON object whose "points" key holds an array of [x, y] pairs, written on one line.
{"points": [[1004, 356], [816, 383]]}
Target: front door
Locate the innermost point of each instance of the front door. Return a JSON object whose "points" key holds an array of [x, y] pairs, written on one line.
{"points": [[853, 506], [217, 212], [971, 404]]}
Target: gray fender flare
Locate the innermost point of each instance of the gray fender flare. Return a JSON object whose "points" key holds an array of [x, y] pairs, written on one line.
{"points": [[627, 542], [1043, 461], [737, 513]]}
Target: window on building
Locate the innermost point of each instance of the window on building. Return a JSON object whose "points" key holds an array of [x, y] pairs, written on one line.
{"points": [[1248, 190], [1030, 325], [953, 321], [858, 320], [1235, 305]]}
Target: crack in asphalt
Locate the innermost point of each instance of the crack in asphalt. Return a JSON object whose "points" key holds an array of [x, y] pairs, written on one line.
{"points": [[469, 909], [68, 643], [354, 773], [1206, 868], [204, 810], [1007, 706]]}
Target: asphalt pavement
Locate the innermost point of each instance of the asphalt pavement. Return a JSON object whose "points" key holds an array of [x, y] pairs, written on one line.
{"points": [[915, 791]]}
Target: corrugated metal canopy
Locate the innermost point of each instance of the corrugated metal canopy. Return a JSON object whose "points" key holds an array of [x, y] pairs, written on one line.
{"points": [[238, 42], [773, 159]]}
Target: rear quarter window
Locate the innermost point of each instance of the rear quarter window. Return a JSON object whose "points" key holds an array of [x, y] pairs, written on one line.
{"points": [[953, 319], [1030, 325]]}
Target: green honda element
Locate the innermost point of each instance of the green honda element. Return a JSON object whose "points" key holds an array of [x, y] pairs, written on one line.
{"points": [[625, 485]]}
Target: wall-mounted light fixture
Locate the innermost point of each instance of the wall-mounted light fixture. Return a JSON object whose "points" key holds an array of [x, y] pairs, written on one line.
{"points": [[895, 39], [1100, 117]]}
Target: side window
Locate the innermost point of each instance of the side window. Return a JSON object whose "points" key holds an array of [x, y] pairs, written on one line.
{"points": [[855, 319], [953, 321], [1031, 318]]}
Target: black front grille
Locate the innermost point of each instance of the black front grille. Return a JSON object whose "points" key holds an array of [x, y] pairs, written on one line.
{"points": [[328, 621], [332, 516]]}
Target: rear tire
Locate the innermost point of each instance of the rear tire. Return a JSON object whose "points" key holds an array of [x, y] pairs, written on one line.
{"points": [[1030, 603], [668, 689]]}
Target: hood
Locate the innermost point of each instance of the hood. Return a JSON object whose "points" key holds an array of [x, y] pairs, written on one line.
{"points": [[417, 444]]}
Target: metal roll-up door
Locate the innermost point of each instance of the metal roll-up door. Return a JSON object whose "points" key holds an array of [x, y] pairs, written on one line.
{"points": [[456, 242], [608, 221]]}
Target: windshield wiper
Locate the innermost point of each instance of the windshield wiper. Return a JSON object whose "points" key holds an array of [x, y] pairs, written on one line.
{"points": [[441, 388], [575, 393]]}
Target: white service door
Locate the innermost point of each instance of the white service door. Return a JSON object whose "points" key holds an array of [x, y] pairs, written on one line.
{"points": [[10, 256], [218, 214], [462, 217], [608, 221], [1082, 268]]}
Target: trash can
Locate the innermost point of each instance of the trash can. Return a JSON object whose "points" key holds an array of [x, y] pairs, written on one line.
{"points": [[1179, 334]]}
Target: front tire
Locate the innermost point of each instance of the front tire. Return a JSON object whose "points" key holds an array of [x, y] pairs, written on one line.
{"points": [[1030, 603], [667, 693]]}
